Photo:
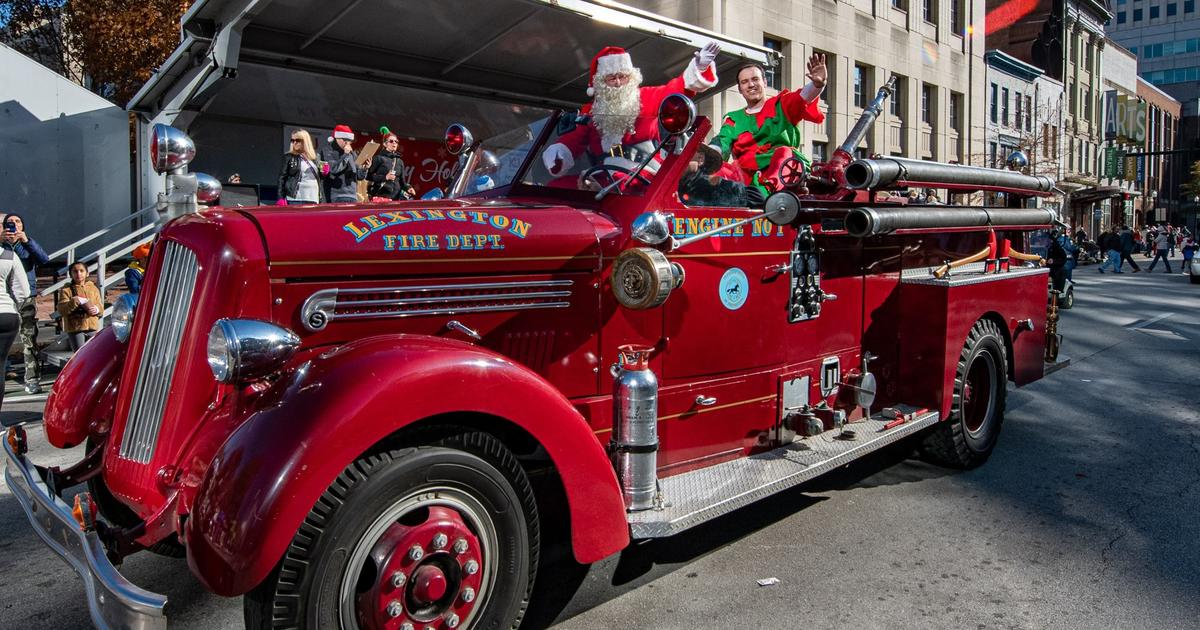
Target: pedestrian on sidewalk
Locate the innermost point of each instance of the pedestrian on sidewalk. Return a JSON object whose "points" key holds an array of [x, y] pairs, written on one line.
{"points": [[80, 305], [14, 289], [1162, 245], [1189, 252], [1127, 248], [1110, 243], [31, 255]]}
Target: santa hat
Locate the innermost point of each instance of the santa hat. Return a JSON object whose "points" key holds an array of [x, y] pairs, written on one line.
{"points": [[342, 132], [610, 60]]}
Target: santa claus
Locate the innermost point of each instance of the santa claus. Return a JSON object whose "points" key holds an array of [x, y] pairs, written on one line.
{"points": [[624, 115]]}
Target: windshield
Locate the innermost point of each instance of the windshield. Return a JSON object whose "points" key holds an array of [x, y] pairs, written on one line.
{"points": [[499, 158], [580, 153]]}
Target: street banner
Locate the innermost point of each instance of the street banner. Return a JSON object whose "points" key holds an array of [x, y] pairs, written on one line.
{"points": [[1130, 163], [1110, 116], [1141, 168], [1129, 118]]}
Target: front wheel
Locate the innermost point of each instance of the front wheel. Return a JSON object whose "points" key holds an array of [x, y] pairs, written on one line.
{"points": [[977, 408], [442, 536], [1068, 298]]}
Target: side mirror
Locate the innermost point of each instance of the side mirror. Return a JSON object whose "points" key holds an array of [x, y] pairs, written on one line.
{"points": [[458, 139], [170, 148]]}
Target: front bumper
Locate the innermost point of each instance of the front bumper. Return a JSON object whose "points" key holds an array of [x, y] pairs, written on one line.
{"points": [[115, 603]]}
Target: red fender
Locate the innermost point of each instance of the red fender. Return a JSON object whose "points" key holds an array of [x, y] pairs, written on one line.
{"points": [[78, 395], [271, 471]]}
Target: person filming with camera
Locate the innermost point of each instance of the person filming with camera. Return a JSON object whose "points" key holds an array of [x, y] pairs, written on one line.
{"points": [[80, 306]]}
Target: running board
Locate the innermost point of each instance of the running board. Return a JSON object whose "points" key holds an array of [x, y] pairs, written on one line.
{"points": [[692, 498]]}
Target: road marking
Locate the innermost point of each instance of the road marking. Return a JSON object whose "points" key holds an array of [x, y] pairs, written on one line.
{"points": [[1151, 321]]}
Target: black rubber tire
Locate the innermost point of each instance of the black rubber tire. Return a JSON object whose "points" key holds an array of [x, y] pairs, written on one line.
{"points": [[474, 462], [953, 443], [1068, 299], [1193, 278]]}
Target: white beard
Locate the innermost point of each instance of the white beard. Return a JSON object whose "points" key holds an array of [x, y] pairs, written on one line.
{"points": [[615, 109]]}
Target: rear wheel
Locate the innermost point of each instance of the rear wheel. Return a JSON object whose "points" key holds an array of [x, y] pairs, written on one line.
{"points": [[977, 408], [439, 536]]}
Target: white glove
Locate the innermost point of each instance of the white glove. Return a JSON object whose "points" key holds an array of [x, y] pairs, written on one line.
{"points": [[557, 158], [707, 55]]}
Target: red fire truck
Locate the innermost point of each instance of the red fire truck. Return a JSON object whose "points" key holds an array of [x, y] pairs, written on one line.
{"points": [[337, 411]]}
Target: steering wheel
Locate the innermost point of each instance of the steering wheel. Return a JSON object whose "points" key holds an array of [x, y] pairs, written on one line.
{"points": [[611, 171], [792, 173]]}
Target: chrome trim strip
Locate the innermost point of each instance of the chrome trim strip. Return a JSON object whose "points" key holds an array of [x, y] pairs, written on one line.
{"points": [[456, 311], [172, 301], [451, 299], [113, 601], [321, 307]]}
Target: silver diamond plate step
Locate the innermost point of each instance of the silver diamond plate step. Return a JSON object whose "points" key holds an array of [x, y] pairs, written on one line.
{"points": [[695, 497]]}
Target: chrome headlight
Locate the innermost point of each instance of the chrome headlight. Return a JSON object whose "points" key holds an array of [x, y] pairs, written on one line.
{"points": [[122, 316], [245, 349]]}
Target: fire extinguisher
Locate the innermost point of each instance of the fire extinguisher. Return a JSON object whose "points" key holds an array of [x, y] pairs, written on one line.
{"points": [[634, 446]]}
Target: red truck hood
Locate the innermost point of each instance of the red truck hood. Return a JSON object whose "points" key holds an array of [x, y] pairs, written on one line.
{"points": [[481, 236]]}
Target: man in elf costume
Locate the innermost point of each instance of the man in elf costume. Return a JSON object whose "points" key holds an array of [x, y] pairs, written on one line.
{"points": [[624, 115], [761, 137]]}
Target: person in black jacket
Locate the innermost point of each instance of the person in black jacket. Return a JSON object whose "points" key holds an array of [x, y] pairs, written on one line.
{"points": [[300, 177], [386, 175], [341, 184]]}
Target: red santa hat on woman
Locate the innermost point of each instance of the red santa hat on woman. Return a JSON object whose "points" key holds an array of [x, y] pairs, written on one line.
{"points": [[343, 132], [610, 60]]}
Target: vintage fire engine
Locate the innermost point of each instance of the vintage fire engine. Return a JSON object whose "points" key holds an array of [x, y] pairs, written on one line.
{"points": [[337, 411]]}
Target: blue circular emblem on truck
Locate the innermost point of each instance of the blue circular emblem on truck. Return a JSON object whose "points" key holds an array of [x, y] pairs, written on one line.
{"points": [[734, 288]]}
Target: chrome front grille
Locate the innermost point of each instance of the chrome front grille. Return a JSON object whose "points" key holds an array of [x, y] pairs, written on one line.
{"points": [[172, 303]]}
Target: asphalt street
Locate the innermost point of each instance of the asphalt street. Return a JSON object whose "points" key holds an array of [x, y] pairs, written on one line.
{"points": [[1085, 516]]}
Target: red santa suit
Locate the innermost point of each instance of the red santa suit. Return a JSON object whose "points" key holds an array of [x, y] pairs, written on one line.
{"points": [[559, 157]]}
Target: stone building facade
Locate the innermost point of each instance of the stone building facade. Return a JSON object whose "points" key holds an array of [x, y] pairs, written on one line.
{"points": [[1065, 38], [929, 45], [1024, 112]]}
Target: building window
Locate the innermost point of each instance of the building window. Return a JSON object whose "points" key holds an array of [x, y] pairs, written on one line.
{"points": [[992, 149], [1172, 9], [1189, 6], [1047, 150], [927, 104], [1137, 15], [955, 109], [929, 11], [1120, 17], [1020, 111], [1028, 113], [773, 75], [1004, 106], [956, 19], [900, 4], [896, 102], [1087, 103], [995, 102], [820, 151], [860, 86], [1154, 10]]}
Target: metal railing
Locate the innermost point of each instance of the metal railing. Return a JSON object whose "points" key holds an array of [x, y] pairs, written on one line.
{"points": [[105, 253]]}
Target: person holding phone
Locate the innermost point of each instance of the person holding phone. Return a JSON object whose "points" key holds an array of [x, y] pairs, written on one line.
{"points": [[80, 305], [31, 255]]}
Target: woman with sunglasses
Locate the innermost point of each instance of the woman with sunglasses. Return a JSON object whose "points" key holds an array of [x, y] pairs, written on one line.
{"points": [[300, 178], [386, 175]]}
